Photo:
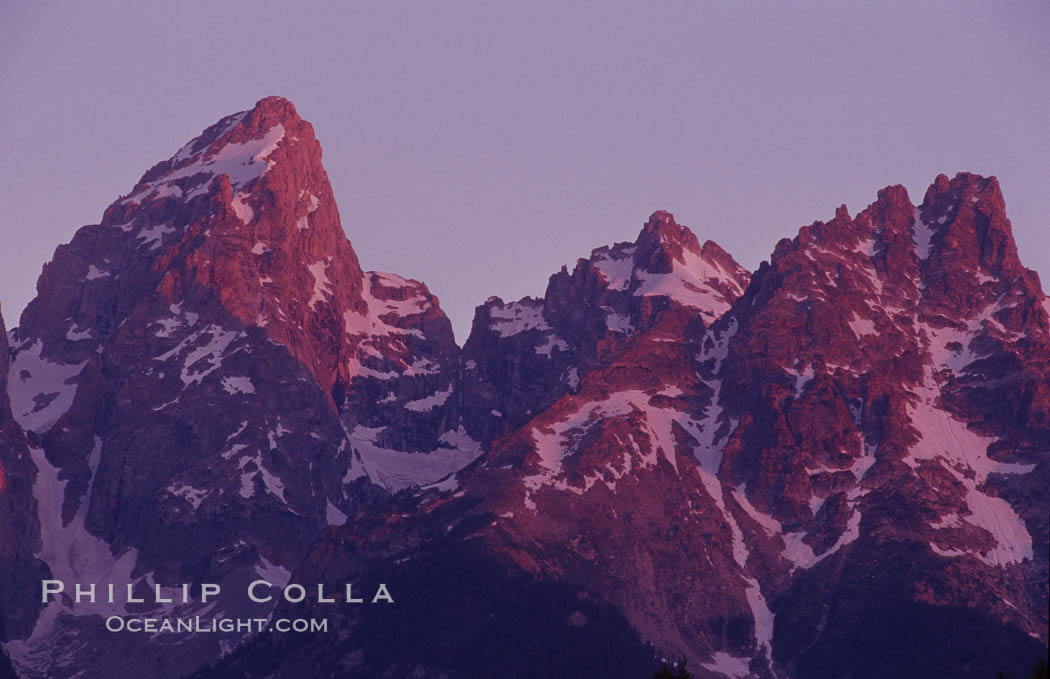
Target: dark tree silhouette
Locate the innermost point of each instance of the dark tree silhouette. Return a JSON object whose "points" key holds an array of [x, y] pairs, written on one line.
{"points": [[7, 670], [1040, 671], [677, 672]]}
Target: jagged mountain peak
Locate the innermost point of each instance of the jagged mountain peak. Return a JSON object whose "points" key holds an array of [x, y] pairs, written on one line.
{"points": [[944, 250], [267, 122], [259, 168], [238, 229], [661, 234], [826, 414], [667, 261], [966, 185], [662, 240], [215, 388], [613, 289], [524, 355], [962, 224], [211, 377]]}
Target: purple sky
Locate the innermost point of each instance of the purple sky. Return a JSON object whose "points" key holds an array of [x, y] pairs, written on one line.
{"points": [[478, 147]]}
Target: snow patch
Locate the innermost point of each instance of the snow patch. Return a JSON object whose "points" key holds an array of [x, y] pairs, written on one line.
{"points": [[395, 469], [271, 482], [862, 326], [334, 516], [192, 495], [275, 574], [206, 349], [802, 379], [74, 556], [41, 391], [429, 402], [76, 333], [921, 235], [322, 286], [95, 273], [154, 235], [964, 454], [551, 343], [243, 211], [376, 321], [616, 322], [517, 317], [671, 391], [555, 441], [729, 665], [238, 385], [689, 283], [179, 319], [241, 162]]}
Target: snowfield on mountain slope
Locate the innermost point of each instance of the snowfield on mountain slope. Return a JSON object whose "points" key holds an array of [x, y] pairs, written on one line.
{"points": [[241, 162], [41, 391]]}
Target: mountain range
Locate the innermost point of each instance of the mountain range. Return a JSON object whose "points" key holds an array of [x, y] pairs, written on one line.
{"points": [[832, 466]]}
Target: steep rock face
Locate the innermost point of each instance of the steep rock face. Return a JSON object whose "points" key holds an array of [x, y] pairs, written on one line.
{"points": [[233, 215], [790, 485], [194, 289], [401, 406], [188, 374], [782, 474], [522, 356], [884, 406], [19, 532], [610, 490]]}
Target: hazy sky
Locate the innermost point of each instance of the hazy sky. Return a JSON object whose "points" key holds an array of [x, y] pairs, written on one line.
{"points": [[478, 147]]}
